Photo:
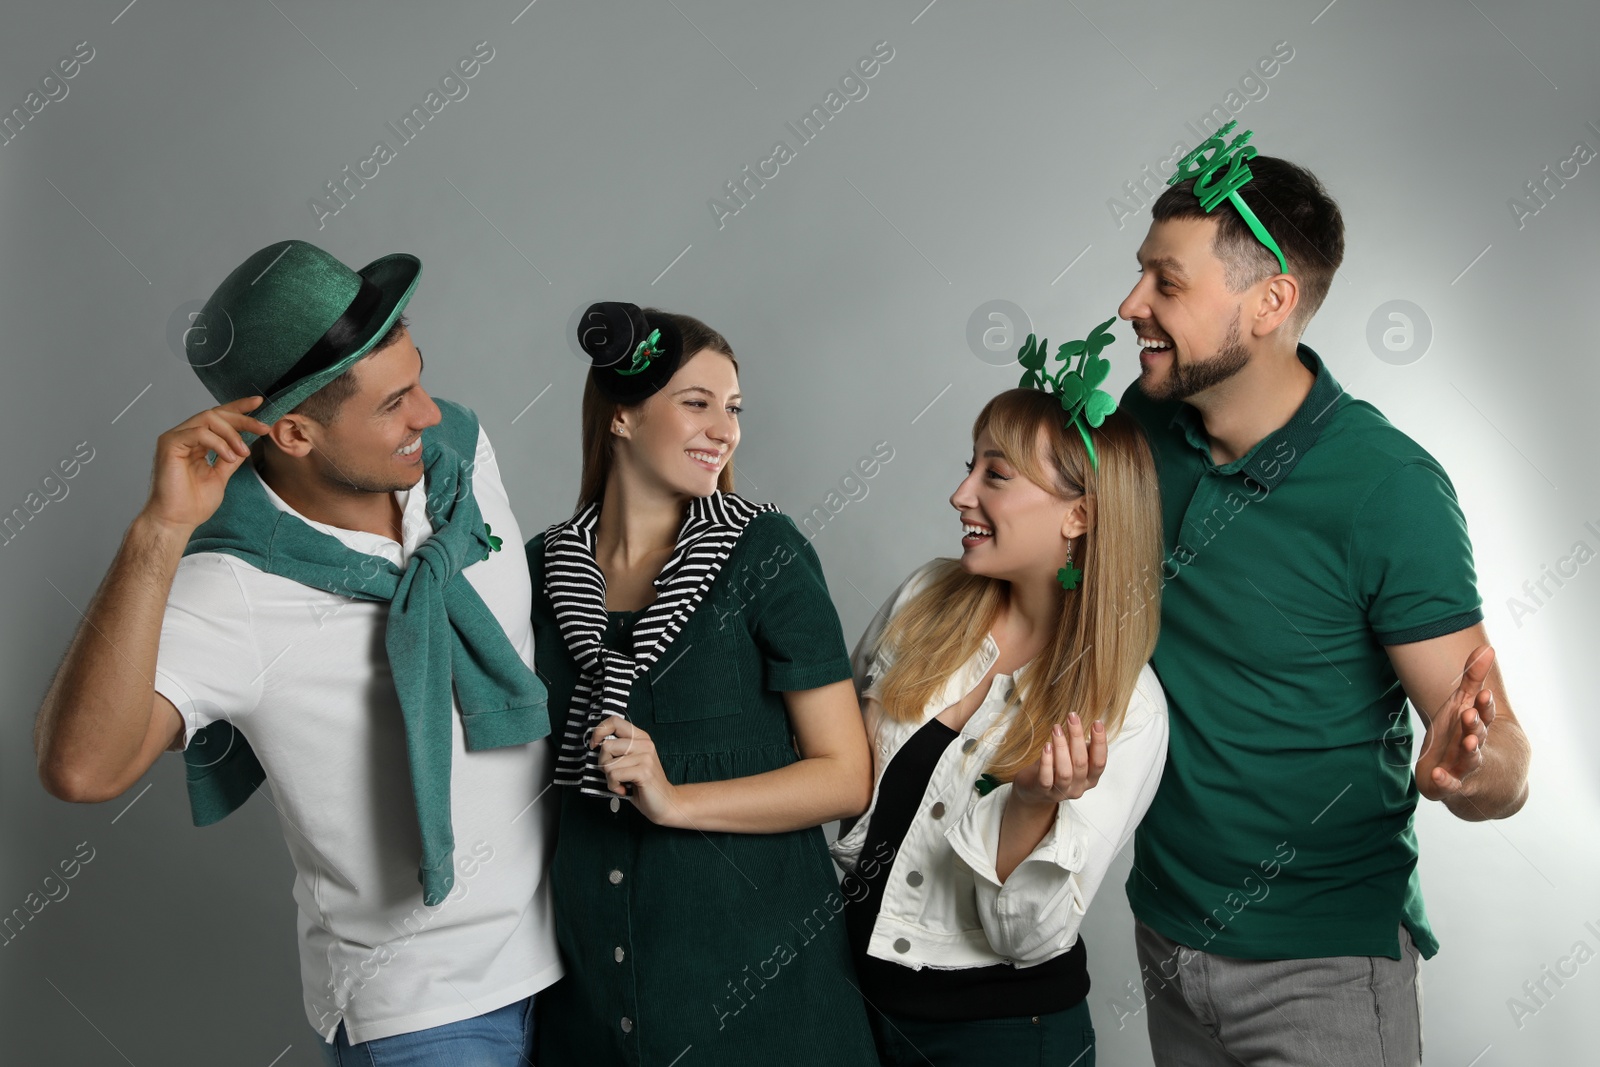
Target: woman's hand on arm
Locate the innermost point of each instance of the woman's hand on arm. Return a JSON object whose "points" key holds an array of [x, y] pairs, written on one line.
{"points": [[831, 780], [1033, 912]]}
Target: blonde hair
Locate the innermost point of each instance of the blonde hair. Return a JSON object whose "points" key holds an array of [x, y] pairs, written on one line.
{"points": [[599, 444], [1107, 627]]}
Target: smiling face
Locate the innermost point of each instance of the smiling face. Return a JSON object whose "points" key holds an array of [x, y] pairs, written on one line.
{"points": [[374, 444], [1013, 528], [1185, 318], [683, 437]]}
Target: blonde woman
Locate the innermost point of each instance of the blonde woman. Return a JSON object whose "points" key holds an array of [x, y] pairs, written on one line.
{"points": [[1018, 735]]}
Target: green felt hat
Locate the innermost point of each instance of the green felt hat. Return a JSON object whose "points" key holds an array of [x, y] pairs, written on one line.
{"points": [[292, 318]]}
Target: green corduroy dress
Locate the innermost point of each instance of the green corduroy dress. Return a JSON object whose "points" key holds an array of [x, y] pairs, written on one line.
{"points": [[730, 944]]}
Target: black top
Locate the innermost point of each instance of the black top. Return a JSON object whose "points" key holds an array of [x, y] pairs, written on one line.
{"points": [[993, 992]]}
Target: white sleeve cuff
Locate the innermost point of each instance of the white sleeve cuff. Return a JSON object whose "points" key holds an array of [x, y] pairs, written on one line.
{"points": [[975, 837], [1034, 914]]}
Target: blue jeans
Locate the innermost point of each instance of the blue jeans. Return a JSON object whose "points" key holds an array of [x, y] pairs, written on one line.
{"points": [[500, 1037]]}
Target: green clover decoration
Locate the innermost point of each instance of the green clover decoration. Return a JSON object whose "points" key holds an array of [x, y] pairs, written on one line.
{"points": [[1075, 386], [494, 542], [985, 784], [1220, 175], [644, 352], [1068, 576]]}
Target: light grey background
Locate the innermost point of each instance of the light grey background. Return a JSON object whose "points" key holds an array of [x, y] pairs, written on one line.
{"points": [[978, 167]]}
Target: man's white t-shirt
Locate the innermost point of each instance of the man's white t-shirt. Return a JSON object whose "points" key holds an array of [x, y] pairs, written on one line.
{"points": [[304, 675]]}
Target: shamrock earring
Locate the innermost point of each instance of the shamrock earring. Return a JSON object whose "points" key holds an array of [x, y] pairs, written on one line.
{"points": [[1068, 576]]}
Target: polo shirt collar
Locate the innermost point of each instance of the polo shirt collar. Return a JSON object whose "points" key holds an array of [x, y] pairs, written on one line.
{"points": [[1300, 432], [415, 527]]}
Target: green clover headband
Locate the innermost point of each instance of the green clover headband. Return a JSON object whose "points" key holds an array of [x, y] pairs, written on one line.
{"points": [[644, 352], [1074, 386], [1213, 187]]}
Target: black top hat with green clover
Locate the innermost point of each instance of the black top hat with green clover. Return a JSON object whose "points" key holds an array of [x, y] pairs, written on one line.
{"points": [[292, 318], [631, 355]]}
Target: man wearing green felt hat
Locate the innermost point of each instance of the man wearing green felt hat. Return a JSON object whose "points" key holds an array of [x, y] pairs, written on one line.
{"points": [[330, 611], [1318, 576]]}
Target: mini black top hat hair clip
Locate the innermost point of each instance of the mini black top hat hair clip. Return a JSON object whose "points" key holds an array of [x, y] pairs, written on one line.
{"points": [[631, 356]]}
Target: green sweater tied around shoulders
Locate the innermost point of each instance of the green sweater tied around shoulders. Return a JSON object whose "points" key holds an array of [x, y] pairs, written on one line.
{"points": [[440, 637]]}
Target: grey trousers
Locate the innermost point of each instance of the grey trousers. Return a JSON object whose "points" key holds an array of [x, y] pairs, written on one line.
{"points": [[1337, 1011]]}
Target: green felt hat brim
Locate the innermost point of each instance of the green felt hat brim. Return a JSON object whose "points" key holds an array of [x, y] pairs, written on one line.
{"points": [[396, 277]]}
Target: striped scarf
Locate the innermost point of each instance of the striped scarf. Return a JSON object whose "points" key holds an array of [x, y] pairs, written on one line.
{"points": [[577, 591]]}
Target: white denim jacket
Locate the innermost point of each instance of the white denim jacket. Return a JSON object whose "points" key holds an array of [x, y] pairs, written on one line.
{"points": [[944, 905]]}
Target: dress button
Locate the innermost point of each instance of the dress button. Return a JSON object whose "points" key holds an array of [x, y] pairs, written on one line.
{"points": [[937, 811], [617, 953], [1036, 1020], [615, 876], [627, 1025], [902, 945], [914, 878], [969, 744], [616, 804]]}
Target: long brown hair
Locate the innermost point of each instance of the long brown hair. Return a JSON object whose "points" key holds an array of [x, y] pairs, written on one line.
{"points": [[1107, 627], [598, 411]]}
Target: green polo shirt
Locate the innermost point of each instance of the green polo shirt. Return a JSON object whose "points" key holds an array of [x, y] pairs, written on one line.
{"points": [[1283, 824]]}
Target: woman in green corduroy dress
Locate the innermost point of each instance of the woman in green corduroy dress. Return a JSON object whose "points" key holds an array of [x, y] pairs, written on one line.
{"points": [[696, 906]]}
